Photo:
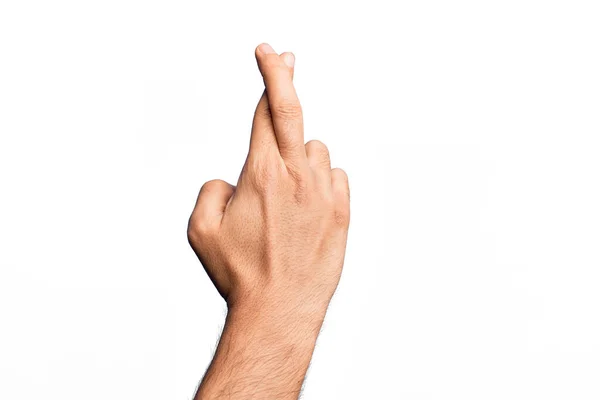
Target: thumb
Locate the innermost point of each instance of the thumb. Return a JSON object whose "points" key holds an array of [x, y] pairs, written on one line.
{"points": [[212, 201]]}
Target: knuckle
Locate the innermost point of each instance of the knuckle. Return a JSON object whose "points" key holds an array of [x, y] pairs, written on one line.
{"points": [[263, 172], [340, 174], [318, 154], [211, 186], [191, 233], [287, 109], [341, 179], [198, 229], [318, 148], [263, 113], [341, 216]]}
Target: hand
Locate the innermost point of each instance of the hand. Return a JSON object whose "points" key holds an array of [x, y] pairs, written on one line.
{"points": [[273, 246], [281, 233]]}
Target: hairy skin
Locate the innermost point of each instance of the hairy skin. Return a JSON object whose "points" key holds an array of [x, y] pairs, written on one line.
{"points": [[273, 246]]}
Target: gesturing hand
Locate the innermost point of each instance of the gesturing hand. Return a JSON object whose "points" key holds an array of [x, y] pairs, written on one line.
{"points": [[274, 244], [282, 230]]}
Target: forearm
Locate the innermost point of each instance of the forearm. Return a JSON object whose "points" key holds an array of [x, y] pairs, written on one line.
{"points": [[264, 351]]}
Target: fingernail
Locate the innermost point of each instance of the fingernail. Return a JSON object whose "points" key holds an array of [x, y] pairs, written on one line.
{"points": [[289, 59], [265, 48]]}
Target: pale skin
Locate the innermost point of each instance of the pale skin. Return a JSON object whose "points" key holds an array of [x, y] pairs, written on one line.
{"points": [[273, 245]]}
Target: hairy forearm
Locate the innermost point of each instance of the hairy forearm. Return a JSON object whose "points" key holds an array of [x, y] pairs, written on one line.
{"points": [[264, 351]]}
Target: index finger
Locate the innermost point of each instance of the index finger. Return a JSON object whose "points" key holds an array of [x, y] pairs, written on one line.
{"points": [[284, 105]]}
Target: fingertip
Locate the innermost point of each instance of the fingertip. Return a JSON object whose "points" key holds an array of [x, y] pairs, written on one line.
{"points": [[265, 58], [264, 48], [289, 59]]}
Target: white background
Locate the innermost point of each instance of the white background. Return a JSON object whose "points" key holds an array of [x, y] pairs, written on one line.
{"points": [[469, 130]]}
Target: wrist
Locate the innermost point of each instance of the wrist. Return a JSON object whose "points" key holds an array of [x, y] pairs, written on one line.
{"points": [[278, 307], [277, 316]]}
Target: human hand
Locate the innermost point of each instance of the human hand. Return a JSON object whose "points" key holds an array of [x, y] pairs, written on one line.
{"points": [[279, 236], [273, 246]]}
